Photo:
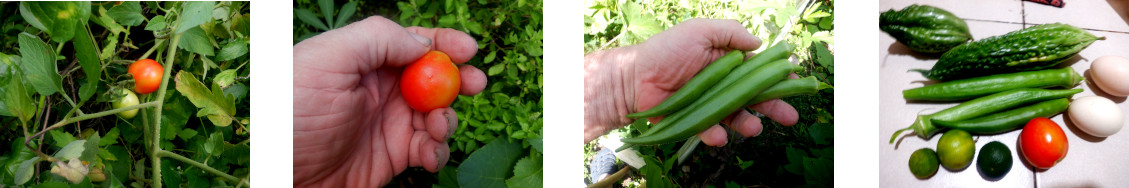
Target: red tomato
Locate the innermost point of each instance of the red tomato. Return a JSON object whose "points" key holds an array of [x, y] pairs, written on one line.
{"points": [[1043, 143], [146, 75], [431, 82]]}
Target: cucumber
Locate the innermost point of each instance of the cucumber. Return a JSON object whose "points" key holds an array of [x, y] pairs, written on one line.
{"points": [[975, 87], [925, 28], [1034, 48]]}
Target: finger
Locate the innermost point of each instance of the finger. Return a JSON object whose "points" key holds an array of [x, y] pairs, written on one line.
{"points": [[460, 46], [778, 111], [441, 123], [714, 136], [363, 46], [723, 33], [428, 153], [473, 80], [746, 123]]}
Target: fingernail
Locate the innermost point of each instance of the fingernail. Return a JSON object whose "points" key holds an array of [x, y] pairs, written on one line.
{"points": [[452, 123], [422, 40], [438, 158]]}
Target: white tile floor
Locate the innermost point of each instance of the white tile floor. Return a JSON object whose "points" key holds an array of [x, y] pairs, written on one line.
{"points": [[1090, 162]]}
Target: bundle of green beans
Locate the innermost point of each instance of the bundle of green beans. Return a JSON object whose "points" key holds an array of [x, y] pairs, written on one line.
{"points": [[720, 89], [1000, 103]]}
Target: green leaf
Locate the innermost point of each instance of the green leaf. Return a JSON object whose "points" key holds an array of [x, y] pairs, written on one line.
{"points": [[310, 19], [218, 107], [225, 78], [640, 22], [496, 69], [57, 18], [90, 148], [110, 138], [527, 173], [72, 150], [174, 115], [86, 51], [39, 65], [156, 23], [447, 20], [196, 41], [221, 13], [448, 177], [61, 138], [233, 49], [187, 134], [128, 13], [326, 10], [194, 14], [215, 143], [345, 14], [489, 57], [23, 174], [16, 98], [489, 166]]}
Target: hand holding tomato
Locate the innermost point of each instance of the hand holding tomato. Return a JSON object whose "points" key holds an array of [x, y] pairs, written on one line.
{"points": [[1042, 143], [353, 126]]}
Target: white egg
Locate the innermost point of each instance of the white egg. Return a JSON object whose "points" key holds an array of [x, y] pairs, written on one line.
{"points": [[1110, 74], [1096, 115]]}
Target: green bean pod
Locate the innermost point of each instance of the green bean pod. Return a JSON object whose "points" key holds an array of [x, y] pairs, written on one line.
{"points": [[1008, 120], [773, 53], [982, 106], [790, 87], [697, 85], [980, 86], [709, 111]]}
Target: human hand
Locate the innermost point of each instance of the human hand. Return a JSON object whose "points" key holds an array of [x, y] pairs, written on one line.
{"points": [[635, 78], [351, 124]]}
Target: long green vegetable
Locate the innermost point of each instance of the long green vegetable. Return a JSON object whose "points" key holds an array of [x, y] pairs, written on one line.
{"points": [[923, 127], [1034, 48], [709, 111], [790, 87], [697, 85], [1008, 120], [773, 53], [975, 87]]}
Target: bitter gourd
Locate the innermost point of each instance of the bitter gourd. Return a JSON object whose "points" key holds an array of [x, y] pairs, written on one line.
{"points": [[924, 28], [1034, 48]]}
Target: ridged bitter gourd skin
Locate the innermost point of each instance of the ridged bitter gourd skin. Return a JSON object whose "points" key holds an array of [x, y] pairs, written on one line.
{"points": [[1034, 48], [924, 28]]}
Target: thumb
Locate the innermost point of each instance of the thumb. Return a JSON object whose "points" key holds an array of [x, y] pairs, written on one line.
{"points": [[366, 45]]}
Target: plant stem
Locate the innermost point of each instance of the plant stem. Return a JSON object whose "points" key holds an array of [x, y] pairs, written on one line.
{"points": [[154, 48], [157, 112], [69, 100], [205, 167]]}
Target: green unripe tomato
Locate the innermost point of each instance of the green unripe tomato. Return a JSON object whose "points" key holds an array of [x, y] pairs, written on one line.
{"points": [[128, 100]]}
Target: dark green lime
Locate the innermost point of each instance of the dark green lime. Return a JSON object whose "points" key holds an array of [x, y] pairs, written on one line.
{"points": [[994, 160], [923, 163]]}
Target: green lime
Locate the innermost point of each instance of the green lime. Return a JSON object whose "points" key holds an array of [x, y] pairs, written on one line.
{"points": [[994, 160], [955, 149], [923, 163]]}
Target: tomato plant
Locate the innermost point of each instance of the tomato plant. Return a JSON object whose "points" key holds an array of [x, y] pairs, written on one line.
{"points": [[67, 67], [146, 75], [1042, 143], [431, 82]]}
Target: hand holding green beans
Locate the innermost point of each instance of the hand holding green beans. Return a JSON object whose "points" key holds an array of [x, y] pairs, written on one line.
{"points": [[637, 78]]}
